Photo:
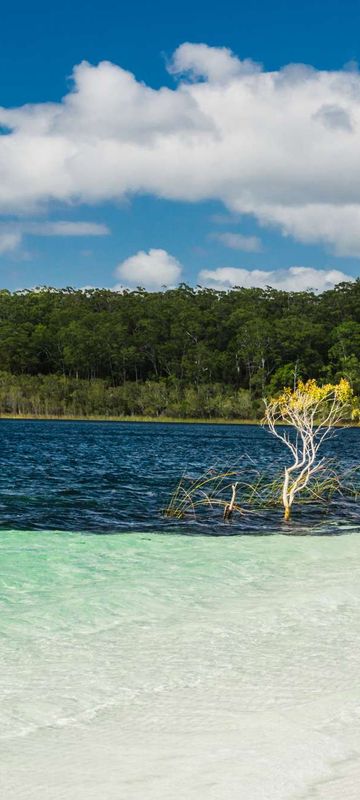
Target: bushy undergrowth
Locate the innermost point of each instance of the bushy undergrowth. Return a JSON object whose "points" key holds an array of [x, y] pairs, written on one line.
{"points": [[55, 395]]}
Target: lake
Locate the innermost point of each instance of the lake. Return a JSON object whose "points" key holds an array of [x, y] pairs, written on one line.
{"points": [[143, 658]]}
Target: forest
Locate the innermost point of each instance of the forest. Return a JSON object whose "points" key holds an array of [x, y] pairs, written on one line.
{"points": [[180, 353]]}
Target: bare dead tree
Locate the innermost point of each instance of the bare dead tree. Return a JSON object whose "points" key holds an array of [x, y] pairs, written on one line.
{"points": [[311, 411]]}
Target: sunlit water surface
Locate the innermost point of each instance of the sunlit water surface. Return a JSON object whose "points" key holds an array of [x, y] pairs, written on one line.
{"points": [[151, 664]]}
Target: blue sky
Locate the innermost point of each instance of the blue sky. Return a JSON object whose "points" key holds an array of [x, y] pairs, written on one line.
{"points": [[248, 223]]}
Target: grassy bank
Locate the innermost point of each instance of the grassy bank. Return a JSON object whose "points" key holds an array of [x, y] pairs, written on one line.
{"points": [[98, 418], [170, 420]]}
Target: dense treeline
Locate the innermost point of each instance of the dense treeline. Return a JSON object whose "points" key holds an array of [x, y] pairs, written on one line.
{"points": [[183, 352]]}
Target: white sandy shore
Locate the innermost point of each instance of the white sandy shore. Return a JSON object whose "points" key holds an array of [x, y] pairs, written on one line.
{"points": [[264, 756], [159, 668]]}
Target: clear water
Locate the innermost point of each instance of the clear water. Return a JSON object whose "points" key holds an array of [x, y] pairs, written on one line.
{"points": [[142, 666]]}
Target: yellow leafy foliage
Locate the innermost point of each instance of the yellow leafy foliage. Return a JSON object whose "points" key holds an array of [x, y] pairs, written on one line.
{"points": [[308, 396]]}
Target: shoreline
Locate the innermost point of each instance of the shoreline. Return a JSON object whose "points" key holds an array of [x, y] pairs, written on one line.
{"points": [[97, 418], [138, 419]]}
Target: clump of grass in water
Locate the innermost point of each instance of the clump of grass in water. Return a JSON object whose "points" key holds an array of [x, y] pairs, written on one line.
{"points": [[233, 490], [206, 491], [247, 491]]}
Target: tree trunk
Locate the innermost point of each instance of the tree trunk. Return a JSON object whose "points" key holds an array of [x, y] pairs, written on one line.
{"points": [[285, 495]]}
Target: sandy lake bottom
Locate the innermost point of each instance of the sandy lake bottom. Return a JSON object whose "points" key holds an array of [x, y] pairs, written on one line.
{"points": [[147, 666]]}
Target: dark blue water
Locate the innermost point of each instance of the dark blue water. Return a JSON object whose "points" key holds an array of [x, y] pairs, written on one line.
{"points": [[109, 477]]}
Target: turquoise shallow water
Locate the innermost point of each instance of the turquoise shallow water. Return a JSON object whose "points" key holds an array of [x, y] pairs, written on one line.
{"points": [[146, 666]]}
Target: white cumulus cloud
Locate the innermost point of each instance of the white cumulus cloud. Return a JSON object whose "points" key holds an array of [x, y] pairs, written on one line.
{"points": [[152, 269], [335, 225], [282, 146], [217, 64], [294, 279]]}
